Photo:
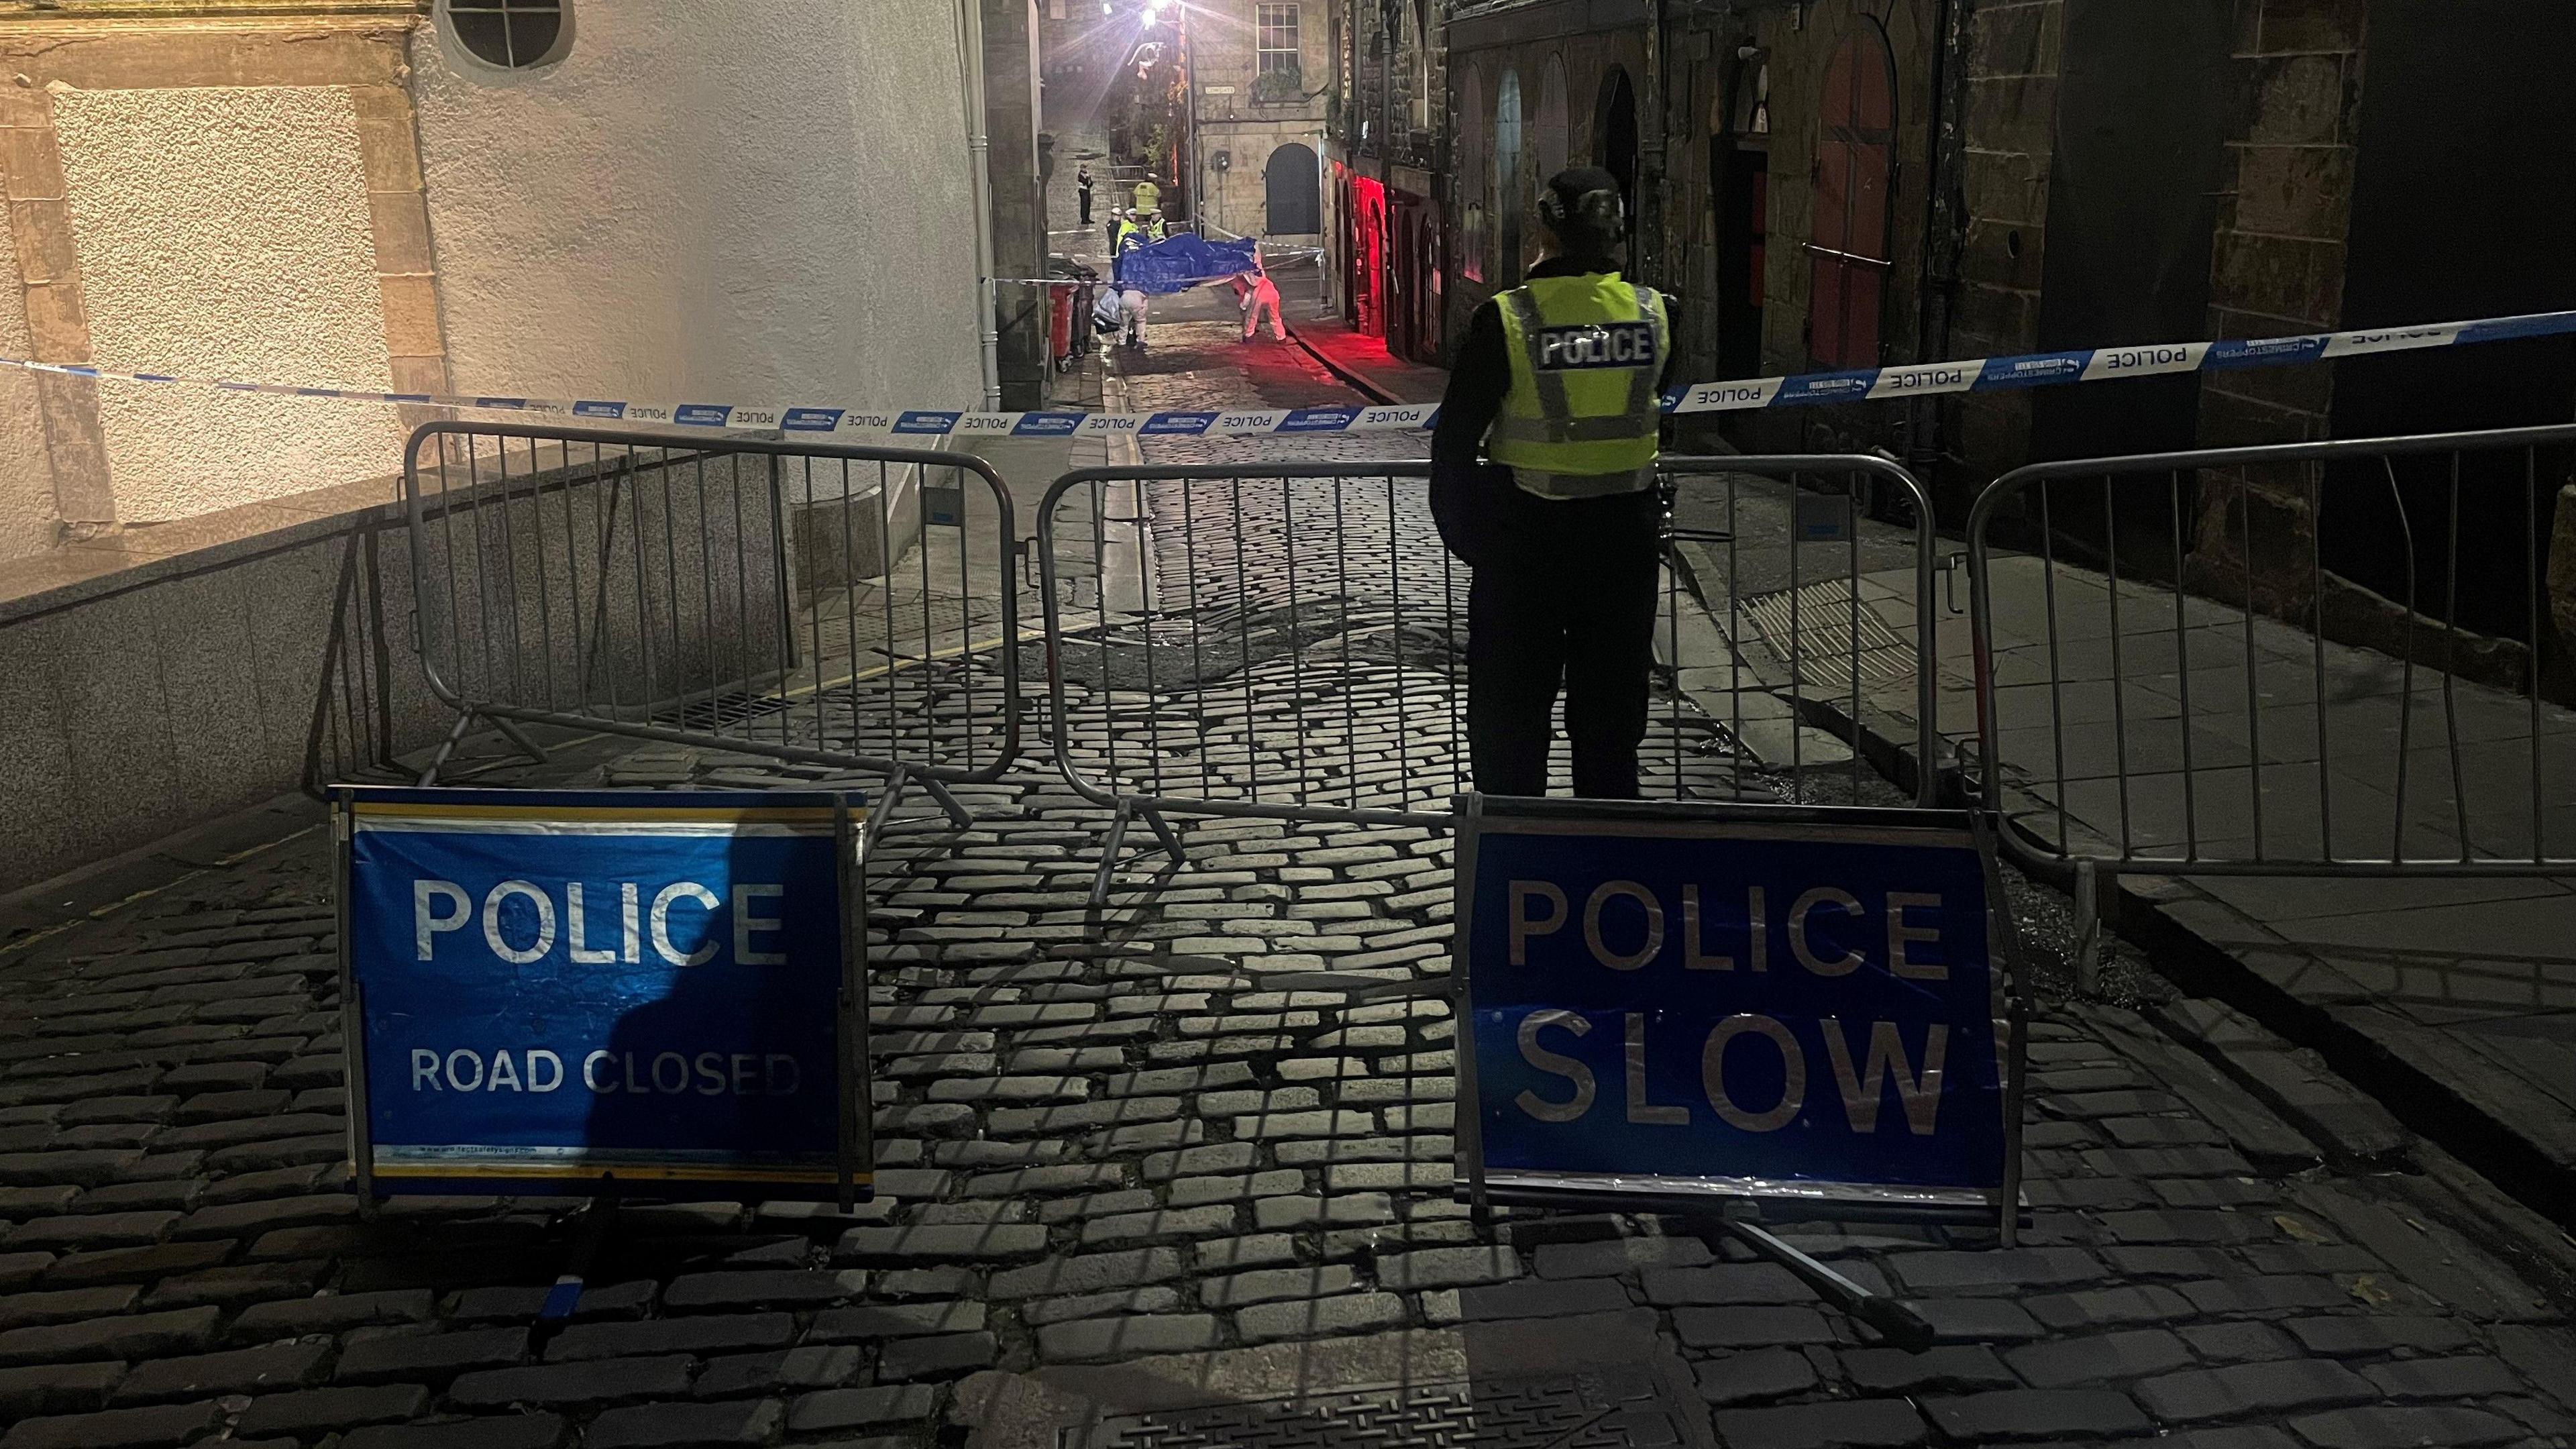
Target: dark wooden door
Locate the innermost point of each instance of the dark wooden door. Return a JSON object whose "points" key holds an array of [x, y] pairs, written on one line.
{"points": [[1855, 169]]}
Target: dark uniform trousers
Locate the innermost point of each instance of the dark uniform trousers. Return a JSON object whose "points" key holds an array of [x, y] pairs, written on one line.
{"points": [[1564, 591]]}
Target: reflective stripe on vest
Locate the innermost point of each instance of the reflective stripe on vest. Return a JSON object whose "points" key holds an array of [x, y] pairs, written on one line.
{"points": [[1564, 438]]}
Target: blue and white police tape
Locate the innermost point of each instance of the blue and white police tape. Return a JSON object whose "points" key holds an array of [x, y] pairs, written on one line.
{"points": [[2034, 369], [2099, 364]]}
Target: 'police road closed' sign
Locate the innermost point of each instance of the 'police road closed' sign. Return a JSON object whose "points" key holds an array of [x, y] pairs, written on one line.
{"points": [[554, 987], [1731, 1000]]}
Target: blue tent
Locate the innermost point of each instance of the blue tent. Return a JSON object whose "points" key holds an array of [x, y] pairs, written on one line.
{"points": [[1181, 262]]}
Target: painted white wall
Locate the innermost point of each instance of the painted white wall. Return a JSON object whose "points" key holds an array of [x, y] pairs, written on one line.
{"points": [[223, 231], [711, 201]]}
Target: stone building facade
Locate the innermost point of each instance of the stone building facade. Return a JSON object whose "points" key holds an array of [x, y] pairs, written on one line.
{"points": [[1391, 152], [1262, 71], [656, 202], [1834, 184]]}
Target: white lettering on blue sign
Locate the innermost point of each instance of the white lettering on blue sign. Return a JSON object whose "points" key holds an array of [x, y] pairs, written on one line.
{"points": [[541, 1069], [1539, 908], [528, 935]]}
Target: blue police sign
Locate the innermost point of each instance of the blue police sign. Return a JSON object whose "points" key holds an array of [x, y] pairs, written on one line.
{"points": [[1683, 1000], [553, 988]]}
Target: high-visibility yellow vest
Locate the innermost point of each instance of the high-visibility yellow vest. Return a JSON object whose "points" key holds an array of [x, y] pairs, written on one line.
{"points": [[1586, 354], [1148, 196]]}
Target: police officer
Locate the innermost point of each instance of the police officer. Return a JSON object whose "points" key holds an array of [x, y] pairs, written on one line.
{"points": [[1124, 238], [1558, 379]]}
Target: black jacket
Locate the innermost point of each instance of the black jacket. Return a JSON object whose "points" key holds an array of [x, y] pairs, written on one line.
{"points": [[1479, 375]]}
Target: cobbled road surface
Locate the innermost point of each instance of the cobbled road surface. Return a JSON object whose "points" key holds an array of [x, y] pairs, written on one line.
{"points": [[1145, 1141]]}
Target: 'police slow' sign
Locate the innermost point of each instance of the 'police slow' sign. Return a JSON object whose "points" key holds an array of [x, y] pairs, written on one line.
{"points": [[556, 987], [1673, 998]]}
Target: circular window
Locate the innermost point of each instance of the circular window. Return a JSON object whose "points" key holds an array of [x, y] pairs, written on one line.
{"points": [[513, 34]]}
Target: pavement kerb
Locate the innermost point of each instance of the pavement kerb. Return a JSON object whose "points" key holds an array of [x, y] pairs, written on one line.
{"points": [[2479, 1119], [2474, 1113], [100, 888]]}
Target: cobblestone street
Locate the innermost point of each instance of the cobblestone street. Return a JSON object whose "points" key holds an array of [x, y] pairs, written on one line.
{"points": [[1179, 1171]]}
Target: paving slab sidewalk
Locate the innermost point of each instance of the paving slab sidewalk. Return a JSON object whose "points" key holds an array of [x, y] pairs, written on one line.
{"points": [[2460, 988]]}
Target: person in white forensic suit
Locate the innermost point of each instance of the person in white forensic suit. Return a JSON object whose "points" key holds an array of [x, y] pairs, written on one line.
{"points": [[1131, 316], [1255, 294]]}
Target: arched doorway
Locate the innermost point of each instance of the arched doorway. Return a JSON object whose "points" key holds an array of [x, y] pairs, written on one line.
{"points": [[1739, 161], [1614, 141], [1548, 137], [1855, 162], [1292, 191], [1472, 179], [1508, 184]]}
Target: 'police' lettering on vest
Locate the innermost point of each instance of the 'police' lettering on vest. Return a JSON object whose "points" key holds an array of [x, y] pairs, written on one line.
{"points": [[1590, 345]]}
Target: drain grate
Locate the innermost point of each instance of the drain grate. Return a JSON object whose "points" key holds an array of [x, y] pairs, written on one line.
{"points": [[718, 711], [1823, 638], [1612, 1409]]}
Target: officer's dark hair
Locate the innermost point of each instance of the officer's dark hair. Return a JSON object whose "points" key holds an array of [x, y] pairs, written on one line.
{"points": [[1583, 207]]}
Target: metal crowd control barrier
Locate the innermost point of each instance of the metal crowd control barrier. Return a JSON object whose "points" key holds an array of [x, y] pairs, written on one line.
{"points": [[2203, 688], [1288, 640], [849, 607], [351, 734]]}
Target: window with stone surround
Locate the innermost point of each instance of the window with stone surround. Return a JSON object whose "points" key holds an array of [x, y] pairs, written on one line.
{"points": [[512, 34], [1277, 37]]}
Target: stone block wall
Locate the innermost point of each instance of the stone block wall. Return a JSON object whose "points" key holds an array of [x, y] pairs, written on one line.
{"points": [[2276, 263], [2013, 60], [164, 696], [2277, 267], [1402, 79]]}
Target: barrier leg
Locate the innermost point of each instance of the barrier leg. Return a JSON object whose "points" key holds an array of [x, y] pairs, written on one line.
{"points": [[1895, 1322], [899, 782], [589, 1235], [1109, 848], [516, 736], [446, 747], [958, 815], [1109, 855], [2088, 928], [456, 736], [881, 819], [1163, 832]]}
